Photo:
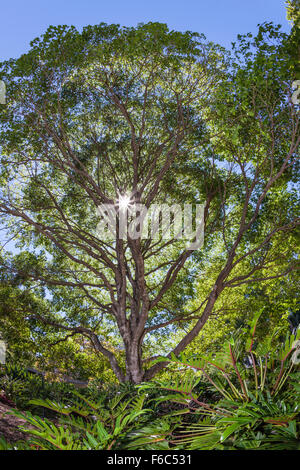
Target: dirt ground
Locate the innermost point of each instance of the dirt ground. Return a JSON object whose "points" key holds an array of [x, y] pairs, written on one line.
{"points": [[9, 425]]}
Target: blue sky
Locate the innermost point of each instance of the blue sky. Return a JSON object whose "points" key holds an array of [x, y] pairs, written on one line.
{"points": [[219, 20]]}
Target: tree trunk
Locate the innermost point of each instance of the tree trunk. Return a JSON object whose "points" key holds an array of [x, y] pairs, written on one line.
{"points": [[134, 370]]}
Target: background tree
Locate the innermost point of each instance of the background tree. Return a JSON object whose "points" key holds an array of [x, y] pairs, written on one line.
{"points": [[162, 117], [293, 11], [293, 15]]}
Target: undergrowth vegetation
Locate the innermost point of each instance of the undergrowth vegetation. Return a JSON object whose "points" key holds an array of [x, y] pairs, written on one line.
{"points": [[244, 396]]}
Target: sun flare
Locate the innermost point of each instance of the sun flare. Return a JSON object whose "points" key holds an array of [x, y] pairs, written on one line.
{"points": [[124, 202]]}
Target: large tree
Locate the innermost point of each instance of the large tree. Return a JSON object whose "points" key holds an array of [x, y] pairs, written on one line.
{"points": [[161, 117]]}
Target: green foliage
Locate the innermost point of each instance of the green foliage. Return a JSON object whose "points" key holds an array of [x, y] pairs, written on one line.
{"points": [[262, 423], [255, 406], [293, 11], [259, 388], [21, 386], [86, 424]]}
